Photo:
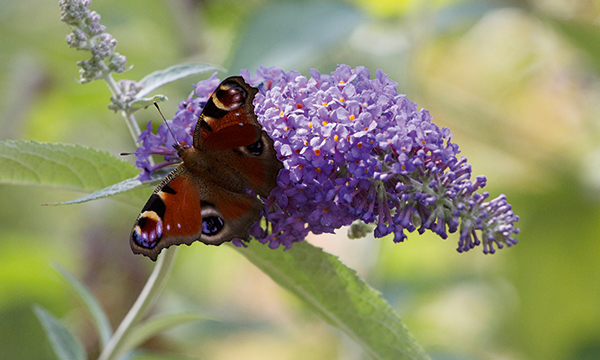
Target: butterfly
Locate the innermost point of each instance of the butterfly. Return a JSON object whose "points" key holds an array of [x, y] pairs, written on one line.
{"points": [[206, 198]]}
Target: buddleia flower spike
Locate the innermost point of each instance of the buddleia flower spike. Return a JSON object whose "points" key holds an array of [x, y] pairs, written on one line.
{"points": [[355, 152]]}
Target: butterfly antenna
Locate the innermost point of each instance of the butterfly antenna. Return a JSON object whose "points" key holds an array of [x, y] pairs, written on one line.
{"points": [[166, 123], [140, 153]]}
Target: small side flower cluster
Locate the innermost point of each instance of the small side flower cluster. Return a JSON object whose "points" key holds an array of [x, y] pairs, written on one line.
{"points": [[89, 35], [353, 150]]}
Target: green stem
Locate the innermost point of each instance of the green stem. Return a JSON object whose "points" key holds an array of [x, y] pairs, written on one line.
{"points": [[133, 127], [144, 301]]}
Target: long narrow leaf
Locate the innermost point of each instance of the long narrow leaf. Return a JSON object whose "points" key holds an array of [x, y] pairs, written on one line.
{"points": [[142, 103], [337, 294], [99, 316], [117, 188], [121, 187], [151, 327], [65, 345], [161, 77]]}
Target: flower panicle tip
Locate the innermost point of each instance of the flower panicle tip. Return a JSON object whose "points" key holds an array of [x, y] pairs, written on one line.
{"points": [[90, 35]]}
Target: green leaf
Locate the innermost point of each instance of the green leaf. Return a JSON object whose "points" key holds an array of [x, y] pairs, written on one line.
{"points": [[151, 327], [143, 103], [65, 345], [337, 294], [117, 188], [100, 318], [288, 34], [159, 78], [121, 187], [67, 166]]}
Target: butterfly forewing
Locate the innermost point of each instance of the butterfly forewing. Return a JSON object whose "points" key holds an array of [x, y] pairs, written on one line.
{"points": [[228, 120]]}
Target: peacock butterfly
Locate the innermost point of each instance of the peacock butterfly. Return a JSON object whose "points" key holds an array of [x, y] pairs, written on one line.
{"points": [[206, 198]]}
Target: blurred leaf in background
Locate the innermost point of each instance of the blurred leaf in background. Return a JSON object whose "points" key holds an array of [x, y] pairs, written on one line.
{"points": [[516, 82]]}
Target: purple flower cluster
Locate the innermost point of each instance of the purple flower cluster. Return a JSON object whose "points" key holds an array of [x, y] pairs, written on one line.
{"points": [[353, 149]]}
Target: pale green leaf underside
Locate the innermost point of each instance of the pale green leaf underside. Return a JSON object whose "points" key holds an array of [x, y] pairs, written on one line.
{"points": [[121, 187], [343, 299], [65, 345], [117, 188], [161, 77], [67, 166], [145, 102]]}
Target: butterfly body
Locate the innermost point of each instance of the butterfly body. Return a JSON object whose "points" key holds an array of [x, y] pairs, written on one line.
{"points": [[207, 197]]}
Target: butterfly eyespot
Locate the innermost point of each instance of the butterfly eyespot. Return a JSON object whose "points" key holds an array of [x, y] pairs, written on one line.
{"points": [[148, 230], [231, 97], [256, 149], [212, 225]]}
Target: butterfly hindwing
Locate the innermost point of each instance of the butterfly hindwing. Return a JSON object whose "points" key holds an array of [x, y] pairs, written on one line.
{"points": [[257, 167]]}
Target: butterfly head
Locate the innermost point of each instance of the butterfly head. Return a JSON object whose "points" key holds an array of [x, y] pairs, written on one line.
{"points": [[181, 149]]}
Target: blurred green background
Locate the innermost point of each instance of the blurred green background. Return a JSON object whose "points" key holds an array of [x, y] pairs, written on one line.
{"points": [[515, 81]]}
